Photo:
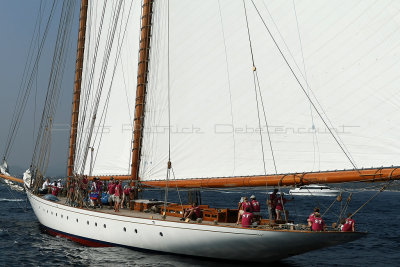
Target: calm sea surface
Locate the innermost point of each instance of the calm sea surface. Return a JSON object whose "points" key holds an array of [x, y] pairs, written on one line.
{"points": [[23, 243]]}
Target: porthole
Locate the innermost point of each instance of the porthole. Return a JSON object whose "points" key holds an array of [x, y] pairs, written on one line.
{"points": [[77, 220], [104, 225], [62, 216], [95, 224], [124, 229], [47, 211], [67, 217], [56, 214], [51, 213], [87, 222], [136, 231], [161, 234]]}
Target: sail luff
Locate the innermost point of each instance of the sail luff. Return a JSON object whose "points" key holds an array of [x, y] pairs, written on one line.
{"points": [[77, 89], [141, 86]]}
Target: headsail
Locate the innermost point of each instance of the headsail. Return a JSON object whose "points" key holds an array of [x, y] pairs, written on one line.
{"points": [[108, 88]]}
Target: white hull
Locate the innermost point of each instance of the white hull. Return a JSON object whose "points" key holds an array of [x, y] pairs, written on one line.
{"points": [[202, 240]]}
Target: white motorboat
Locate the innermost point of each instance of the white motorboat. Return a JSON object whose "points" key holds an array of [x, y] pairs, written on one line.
{"points": [[314, 190]]}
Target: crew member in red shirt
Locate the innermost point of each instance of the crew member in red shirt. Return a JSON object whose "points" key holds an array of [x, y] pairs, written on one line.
{"points": [[349, 225], [111, 192], [117, 195], [242, 207], [256, 207], [312, 215], [272, 203], [55, 189], [193, 213], [247, 218], [125, 196], [280, 204], [318, 223]]}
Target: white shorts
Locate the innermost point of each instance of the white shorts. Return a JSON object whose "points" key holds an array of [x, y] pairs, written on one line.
{"points": [[241, 212]]}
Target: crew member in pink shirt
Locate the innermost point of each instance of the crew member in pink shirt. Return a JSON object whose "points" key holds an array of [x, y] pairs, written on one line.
{"points": [[349, 225], [247, 218], [117, 195], [125, 196], [312, 216], [242, 207], [318, 223], [280, 204], [192, 213]]}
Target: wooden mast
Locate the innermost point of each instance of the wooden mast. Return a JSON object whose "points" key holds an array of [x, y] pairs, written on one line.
{"points": [[77, 90], [141, 88]]}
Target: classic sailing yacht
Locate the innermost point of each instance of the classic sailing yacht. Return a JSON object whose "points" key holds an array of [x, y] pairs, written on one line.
{"points": [[222, 100]]}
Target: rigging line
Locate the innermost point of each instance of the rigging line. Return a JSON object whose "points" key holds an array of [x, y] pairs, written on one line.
{"points": [[315, 138], [36, 84], [169, 111], [16, 123], [84, 119], [371, 198], [266, 124], [255, 87], [87, 121], [118, 57], [308, 86], [302, 88], [58, 65], [229, 87], [95, 105]]}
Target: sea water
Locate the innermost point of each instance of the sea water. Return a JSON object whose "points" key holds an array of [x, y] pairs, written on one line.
{"points": [[23, 243]]}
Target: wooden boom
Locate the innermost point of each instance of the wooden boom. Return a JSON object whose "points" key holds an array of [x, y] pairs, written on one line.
{"points": [[342, 176], [11, 178]]}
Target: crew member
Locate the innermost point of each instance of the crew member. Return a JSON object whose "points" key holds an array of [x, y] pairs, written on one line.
{"points": [[111, 192], [349, 225], [193, 213], [272, 203], [242, 207], [247, 218], [312, 215], [117, 195], [256, 207], [318, 223], [280, 204]]}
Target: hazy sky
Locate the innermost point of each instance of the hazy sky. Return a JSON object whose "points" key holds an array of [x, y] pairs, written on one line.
{"points": [[17, 21]]}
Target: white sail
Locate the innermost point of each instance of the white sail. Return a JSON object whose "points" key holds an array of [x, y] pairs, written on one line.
{"points": [[350, 64], [108, 87]]}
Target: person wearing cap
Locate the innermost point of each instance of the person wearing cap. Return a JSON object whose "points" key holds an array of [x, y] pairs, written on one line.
{"points": [[349, 225], [312, 216], [256, 207], [318, 223], [242, 207], [271, 203]]}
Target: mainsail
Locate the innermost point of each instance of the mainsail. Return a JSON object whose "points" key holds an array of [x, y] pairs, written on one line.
{"points": [[345, 63]]}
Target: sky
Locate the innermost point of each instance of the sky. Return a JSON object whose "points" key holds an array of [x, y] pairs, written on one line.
{"points": [[17, 21]]}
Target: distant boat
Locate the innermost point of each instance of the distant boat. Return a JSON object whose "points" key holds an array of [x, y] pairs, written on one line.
{"points": [[314, 190]]}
